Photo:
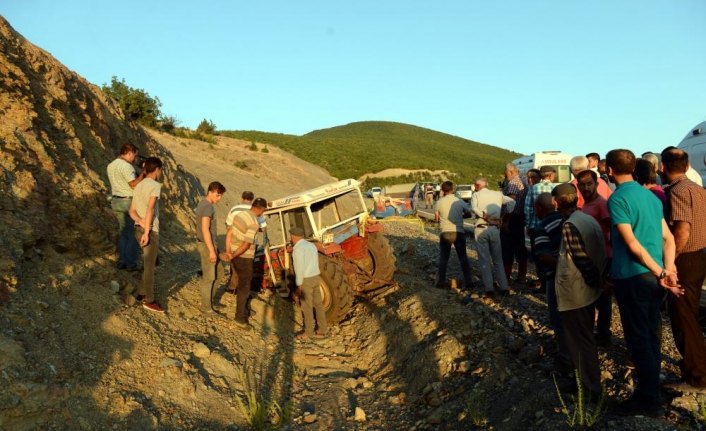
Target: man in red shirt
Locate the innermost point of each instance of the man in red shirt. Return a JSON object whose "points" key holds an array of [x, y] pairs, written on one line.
{"points": [[580, 164]]}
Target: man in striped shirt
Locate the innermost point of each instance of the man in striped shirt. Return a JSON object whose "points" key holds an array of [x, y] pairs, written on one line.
{"points": [[240, 242], [686, 216]]}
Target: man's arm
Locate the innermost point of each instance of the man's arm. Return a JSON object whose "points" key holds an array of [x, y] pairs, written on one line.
{"points": [[229, 240], [147, 221], [682, 230], [136, 180], [529, 203], [474, 206], [576, 247], [298, 263], [206, 234]]}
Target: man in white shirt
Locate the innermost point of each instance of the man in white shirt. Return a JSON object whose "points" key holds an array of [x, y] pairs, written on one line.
{"points": [[123, 179], [488, 207], [306, 269]]}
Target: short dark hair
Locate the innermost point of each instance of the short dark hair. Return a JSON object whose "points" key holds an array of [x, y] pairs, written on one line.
{"points": [[216, 187], [594, 156], [675, 160], [621, 161], [247, 196], [534, 171], [644, 172], [128, 148], [447, 186], [151, 164], [259, 203]]}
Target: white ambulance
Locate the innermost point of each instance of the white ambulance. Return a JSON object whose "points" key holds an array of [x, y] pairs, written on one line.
{"points": [[694, 143], [559, 160]]}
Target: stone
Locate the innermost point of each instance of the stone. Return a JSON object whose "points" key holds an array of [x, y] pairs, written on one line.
{"points": [[114, 286], [309, 418], [359, 415], [200, 350], [464, 366]]}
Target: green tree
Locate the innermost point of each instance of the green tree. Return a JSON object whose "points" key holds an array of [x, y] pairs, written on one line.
{"points": [[206, 126], [136, 103], [168, 123]]}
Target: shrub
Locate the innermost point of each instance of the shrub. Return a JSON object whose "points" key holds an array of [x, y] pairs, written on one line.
{"points": [[168, 123], [265, 149], [206, 126], [241, 164], [581, 415], [253, 146], [136, 103]]}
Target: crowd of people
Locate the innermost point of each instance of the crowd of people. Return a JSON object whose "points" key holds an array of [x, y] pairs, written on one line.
{"points": [[625, 228], [135, 203]]}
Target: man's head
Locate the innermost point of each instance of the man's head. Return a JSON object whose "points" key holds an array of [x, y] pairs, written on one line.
{"points": [[153, 167], [587, 182], [447, 187], [480, 183], [296, 233], [620, 162], [602, 168], [565, 197], [675, 163], [593, 159], [510, 171], [543, 205], [215, 192], [247, 197], [259, 206], [547, 173], [128, 152], [533, 176], [578, 164], [652, 158], [644, 172]]}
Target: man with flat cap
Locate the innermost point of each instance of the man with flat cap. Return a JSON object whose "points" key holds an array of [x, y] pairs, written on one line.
{"points": [[306, 268], [578, 284]]}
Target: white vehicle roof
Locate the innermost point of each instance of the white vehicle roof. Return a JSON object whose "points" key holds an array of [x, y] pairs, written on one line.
{"points": [[694, 143], [316, 194], [544, 158]]}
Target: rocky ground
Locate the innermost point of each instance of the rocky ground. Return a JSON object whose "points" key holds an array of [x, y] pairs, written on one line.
{"points": [[74, 356]]}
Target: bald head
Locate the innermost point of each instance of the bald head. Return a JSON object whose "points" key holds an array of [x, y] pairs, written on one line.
{"points": [[675, 162]]}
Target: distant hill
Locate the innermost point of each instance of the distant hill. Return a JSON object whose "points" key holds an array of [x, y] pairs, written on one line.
{"points": [[355, 149]]}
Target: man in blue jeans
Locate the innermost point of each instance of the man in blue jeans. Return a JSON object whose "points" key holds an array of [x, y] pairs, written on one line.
{"points": [[449, 212], [123, 179], [642, 267]]}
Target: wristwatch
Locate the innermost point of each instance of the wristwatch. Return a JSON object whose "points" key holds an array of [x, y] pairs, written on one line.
{"points": [[663, 274]]}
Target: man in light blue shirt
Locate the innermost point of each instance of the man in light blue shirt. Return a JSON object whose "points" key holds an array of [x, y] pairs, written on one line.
{"points": [[306, 269]]}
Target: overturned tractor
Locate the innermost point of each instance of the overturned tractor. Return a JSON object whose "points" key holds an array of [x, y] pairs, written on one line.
{"points": [[354, 255]]}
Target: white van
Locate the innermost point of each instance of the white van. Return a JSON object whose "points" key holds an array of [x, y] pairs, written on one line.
{"points": [[694, 143], [558, 159]]}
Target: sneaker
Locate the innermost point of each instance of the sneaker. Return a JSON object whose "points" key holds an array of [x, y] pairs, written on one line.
{"points": [[153, 306]]}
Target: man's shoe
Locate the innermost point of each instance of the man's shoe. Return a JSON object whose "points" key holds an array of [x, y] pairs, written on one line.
{"points": [[634, 407], [153, 306], [121, 265], [245, 326]]}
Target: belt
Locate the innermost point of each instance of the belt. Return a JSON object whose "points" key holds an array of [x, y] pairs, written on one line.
{"points": [[122, 197]]}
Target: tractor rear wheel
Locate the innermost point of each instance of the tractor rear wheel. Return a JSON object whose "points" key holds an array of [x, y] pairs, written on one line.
{"points": [[336, 291], [380, 264]]}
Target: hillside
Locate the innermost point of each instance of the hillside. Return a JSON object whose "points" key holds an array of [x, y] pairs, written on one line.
{"points": [[355, 149]]}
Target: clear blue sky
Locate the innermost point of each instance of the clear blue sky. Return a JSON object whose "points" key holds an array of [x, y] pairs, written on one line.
{"points": [[525, 75]]}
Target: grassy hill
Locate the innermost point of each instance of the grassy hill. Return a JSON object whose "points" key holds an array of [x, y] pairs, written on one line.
{"points": [[355, 149]]}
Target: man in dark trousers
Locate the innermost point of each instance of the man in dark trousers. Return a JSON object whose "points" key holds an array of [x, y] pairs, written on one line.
{"points": [[449, 213], [687, 219], [579, 280], [642, 268]]}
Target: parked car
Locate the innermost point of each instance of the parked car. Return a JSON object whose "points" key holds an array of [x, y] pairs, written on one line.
{"points": [[374, 192], [464, 191]]}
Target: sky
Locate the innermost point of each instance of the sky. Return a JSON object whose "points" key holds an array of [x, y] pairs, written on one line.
{"points": [[576, 76]]}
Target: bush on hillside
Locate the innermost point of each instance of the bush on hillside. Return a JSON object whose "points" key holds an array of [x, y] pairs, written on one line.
{"points": [[206, 126], [136, 103], [168, 123]]}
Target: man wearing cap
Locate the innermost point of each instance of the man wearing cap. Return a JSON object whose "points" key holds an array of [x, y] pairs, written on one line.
{"points": [[123, 179], [240, 242], [305, 258], [578, 284], [642, 267], [488, 207], [686, 215], [580, 164]]}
